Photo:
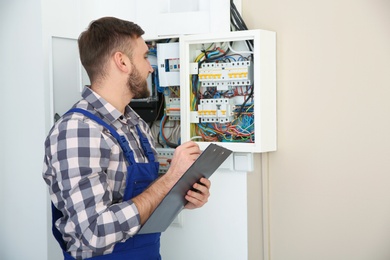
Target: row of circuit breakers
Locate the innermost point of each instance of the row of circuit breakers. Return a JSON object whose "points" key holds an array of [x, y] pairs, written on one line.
{"points": [[221, 77]]}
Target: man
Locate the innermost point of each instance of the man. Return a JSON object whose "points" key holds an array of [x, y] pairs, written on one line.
{"points": [[103, 186]]}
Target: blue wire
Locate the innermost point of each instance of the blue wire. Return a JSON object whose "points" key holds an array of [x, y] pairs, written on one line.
{"points": [[161, 133], [212, 54], [156, 81], [229, 57], [206, 129]]}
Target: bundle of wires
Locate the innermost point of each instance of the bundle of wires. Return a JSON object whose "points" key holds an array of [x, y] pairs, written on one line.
{"points": [[241, 129], [237, 23], [175, 132], [236, 19]]}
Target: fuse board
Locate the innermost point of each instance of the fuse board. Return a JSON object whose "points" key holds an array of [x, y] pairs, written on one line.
{"points": [[228, 86], [165, 128]]}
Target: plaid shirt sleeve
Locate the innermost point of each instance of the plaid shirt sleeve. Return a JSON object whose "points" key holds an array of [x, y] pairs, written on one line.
{"points": [[84, 169]]}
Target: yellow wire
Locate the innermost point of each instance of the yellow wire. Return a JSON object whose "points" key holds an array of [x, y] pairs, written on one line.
{"points": [[178, 95], [249, 107], [192, 96]]}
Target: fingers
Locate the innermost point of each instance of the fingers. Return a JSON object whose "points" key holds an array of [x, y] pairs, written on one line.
{"points": [[205, 182], [199, 196], [189, 144], [195, 200], [184, 156], [203, 186], [188, 149]]}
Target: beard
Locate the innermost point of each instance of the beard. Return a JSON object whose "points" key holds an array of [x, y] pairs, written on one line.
{"points": [[137, 85]]}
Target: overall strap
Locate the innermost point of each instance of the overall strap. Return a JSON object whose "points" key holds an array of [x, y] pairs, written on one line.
{"points": [[146, 146], [120, 138]]}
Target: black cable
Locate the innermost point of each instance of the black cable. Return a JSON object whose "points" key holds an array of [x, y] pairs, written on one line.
{"points": [[159, 109], [233, 22], [158, 140], [243, 105], [238, 22], [237, 15]]}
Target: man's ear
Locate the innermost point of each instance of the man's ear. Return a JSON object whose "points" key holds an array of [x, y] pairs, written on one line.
{"points": [[122, 62]]}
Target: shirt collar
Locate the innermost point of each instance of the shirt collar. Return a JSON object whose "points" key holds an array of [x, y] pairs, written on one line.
{"points": [[106, 109]]}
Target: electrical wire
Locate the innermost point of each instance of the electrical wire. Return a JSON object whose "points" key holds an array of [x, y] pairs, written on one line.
{"points": [[239, 52], [162, 135]]}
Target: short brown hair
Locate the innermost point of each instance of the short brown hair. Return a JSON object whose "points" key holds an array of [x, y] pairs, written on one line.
{"points": [[103, 38]]}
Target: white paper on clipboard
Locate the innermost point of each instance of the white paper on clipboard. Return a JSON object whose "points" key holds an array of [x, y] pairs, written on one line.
{"points": [[206, 164]]}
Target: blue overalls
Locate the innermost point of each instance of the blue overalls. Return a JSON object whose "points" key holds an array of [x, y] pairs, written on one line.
{"points": [[139, 176]]}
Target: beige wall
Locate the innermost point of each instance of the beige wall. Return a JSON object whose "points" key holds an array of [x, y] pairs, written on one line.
{"points": [[329, 181]]}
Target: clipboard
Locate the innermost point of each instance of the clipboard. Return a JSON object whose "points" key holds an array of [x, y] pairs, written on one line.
{"points": [[206, 164]]}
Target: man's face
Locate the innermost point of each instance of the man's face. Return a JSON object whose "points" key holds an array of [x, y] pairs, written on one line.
{"points": [[140, 70]]}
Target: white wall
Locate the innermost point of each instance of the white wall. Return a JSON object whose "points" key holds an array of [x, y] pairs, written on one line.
{"points": [[23, 198], [219, 230], [329, 179]]}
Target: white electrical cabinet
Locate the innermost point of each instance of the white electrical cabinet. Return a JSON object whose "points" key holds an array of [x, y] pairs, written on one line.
{"points": [[228, 90]]}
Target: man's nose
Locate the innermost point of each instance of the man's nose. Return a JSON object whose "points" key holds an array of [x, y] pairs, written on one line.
{"points": [[151, 70]]}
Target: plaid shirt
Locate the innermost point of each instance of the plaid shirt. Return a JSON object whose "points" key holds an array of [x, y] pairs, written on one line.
{"points": [[85, 170]]}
